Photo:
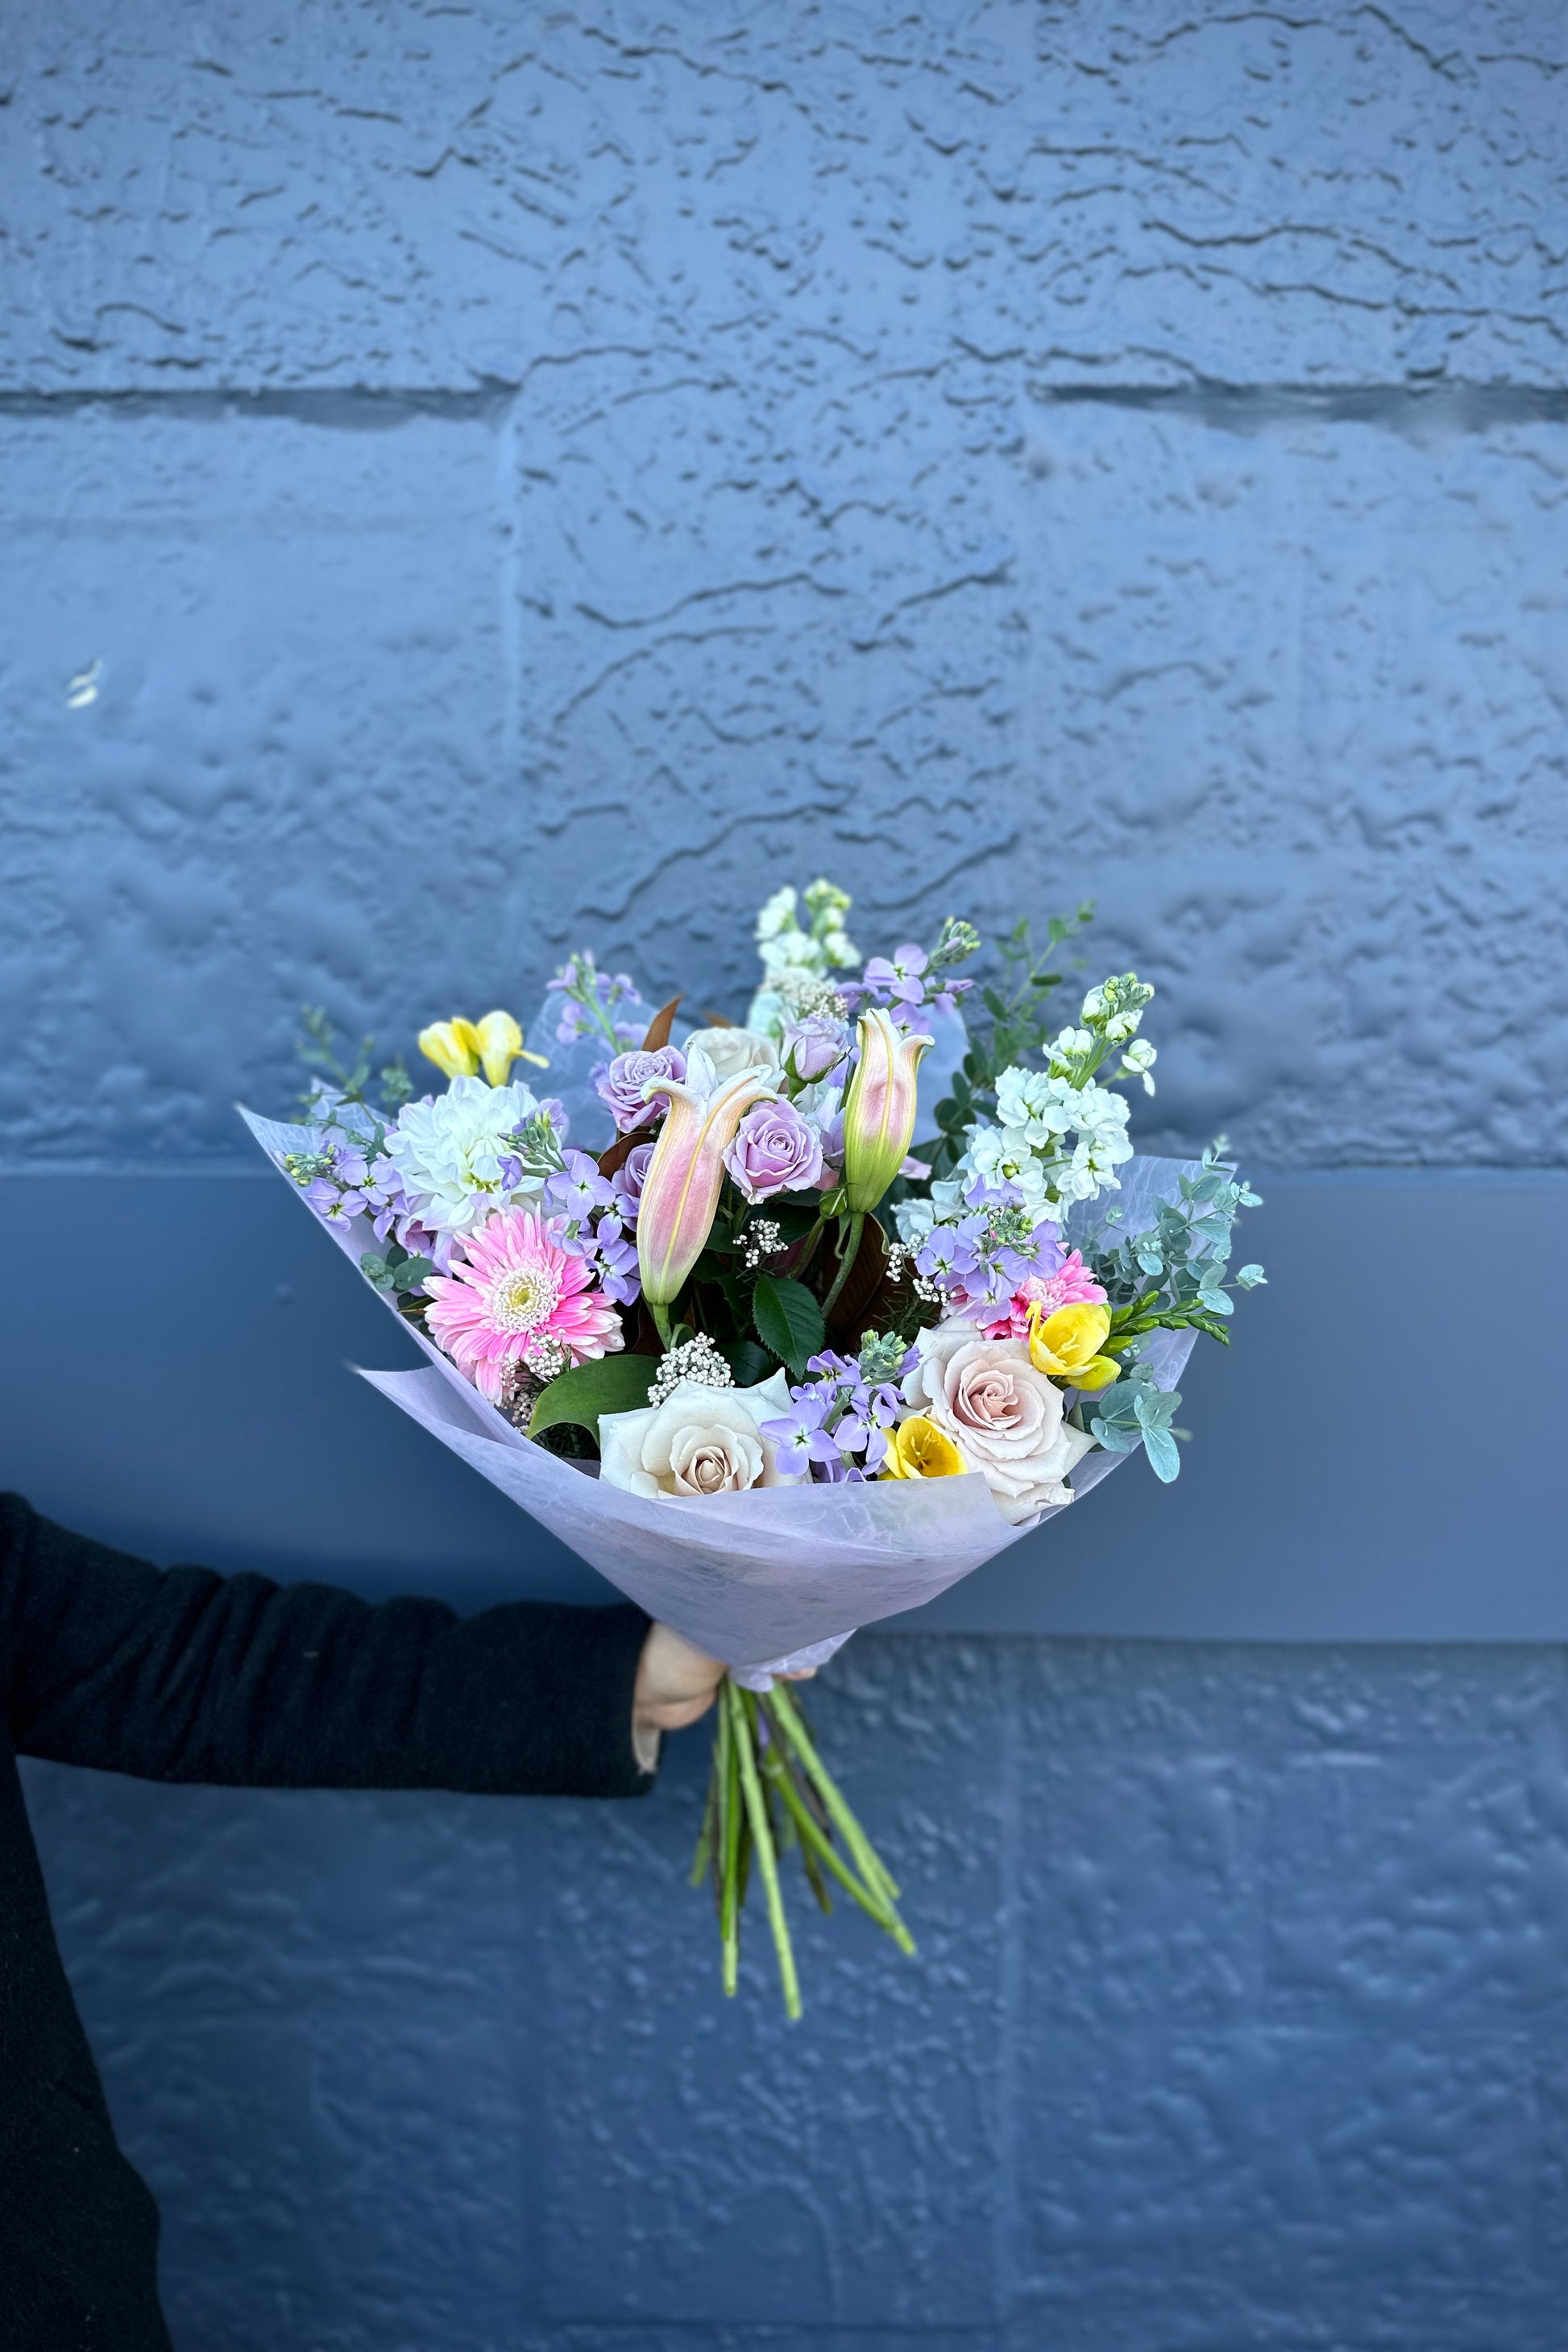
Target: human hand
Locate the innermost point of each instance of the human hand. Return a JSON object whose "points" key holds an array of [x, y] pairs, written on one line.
{"points": [[676, 1684]]}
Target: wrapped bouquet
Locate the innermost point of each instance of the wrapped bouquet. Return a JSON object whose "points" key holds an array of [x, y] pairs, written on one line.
{"points": [[785, 1325]]}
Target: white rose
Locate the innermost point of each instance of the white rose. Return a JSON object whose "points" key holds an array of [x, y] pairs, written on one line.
{"points": [[699, 1441], [730, 1051], [1005, 1417]]}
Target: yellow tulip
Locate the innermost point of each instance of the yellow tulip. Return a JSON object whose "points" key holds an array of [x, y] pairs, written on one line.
{"points": [[454, 1046], [919, 1449], [1066, 1345]]}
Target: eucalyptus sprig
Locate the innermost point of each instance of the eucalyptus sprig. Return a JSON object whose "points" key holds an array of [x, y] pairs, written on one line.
{"points": [[349, 1082], [1172, 1277]]}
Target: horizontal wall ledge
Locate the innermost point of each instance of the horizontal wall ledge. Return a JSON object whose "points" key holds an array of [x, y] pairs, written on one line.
{"points": [[1377, 1459]]}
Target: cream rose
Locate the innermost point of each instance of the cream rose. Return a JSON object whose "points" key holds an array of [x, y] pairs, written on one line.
{"points": [[1005, 1417], [699, 1441], [730, 1051]]}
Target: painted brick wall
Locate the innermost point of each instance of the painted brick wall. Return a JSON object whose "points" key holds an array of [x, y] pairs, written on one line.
{"points": [[478, 477]]}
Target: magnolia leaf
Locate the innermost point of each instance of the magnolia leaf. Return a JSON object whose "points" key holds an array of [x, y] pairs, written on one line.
{"points": [[606, 1384], [658, 1028], [788, 1319]]}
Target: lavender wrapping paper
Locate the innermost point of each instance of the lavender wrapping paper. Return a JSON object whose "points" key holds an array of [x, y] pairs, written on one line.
{"points": [[779, 1576]]}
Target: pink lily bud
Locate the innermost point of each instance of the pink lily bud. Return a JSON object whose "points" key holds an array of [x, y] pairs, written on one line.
{"points": [[680, 1191], [879, 1109]]}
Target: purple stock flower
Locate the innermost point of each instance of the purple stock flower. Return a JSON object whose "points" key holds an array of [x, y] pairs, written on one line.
{"points": [[578, 1189], [816, 1044], [798, 1435], [620, 1083], [896, 980], [775, 1149]]}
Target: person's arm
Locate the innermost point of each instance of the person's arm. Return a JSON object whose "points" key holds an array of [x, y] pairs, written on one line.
{"points": [[181, 1675]]}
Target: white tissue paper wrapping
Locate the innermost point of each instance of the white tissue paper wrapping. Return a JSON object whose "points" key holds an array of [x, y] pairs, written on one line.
{"points": [[776, 1578]]}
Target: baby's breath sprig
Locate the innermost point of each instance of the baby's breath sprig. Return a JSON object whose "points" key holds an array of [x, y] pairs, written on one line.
{"points": [[762, 1239], [900, 1258], [696, 1359]]}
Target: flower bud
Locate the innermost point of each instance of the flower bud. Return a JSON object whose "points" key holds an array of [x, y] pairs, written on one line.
{"points": [[879, 1109], [680, 1191]]}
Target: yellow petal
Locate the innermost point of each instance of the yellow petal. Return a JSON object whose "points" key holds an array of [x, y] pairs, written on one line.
{"points": [[919, 1449], [454, 1054], [500, 1042], [1099, 1373]]}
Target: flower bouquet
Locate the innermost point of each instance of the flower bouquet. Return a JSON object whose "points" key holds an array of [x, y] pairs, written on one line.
{"points": [[784, 1326]]}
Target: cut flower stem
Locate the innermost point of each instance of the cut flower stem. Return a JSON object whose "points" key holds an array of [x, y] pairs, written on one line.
{"points": [[768, 1791]]}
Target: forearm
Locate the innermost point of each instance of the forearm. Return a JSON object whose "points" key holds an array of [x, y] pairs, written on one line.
{"points": [[185, 1676]]}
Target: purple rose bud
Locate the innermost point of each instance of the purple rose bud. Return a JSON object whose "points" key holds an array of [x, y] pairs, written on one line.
{"points": [[621, 1081], [630, 1177], [775, 1149], [816, 1044]]}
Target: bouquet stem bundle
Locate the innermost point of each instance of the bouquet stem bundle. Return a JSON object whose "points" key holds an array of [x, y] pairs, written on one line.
{"points": [[770, 1790]]}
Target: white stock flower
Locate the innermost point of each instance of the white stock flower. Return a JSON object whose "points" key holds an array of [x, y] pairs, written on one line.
{"points": [[699, 1441], [448, 1153]]}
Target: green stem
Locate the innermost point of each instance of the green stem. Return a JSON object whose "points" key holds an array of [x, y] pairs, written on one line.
{"points": [[763, 1845], [707, 1835], [660, 1320], [873, 1870], [730, 1823], [821, 1849], [849, 1250], [809, 1252]]}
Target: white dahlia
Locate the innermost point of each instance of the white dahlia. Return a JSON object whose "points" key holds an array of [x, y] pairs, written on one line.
{"points": [[453, 1154]]}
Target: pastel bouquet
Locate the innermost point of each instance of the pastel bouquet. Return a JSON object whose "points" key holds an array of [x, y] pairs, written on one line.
{"points": [[786, 1325]]}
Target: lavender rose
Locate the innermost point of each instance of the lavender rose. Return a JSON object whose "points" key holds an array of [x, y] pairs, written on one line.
{"points": [[620, 1083], [629, 1178], [816, 1044], [1005, 1417], [775, 1151]]}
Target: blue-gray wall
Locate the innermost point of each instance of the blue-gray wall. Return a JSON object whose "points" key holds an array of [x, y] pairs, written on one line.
{"points": [[478, 478]]}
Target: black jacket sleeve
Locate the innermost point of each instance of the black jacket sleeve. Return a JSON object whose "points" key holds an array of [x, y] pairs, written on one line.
{"points": [[181, 1675]]}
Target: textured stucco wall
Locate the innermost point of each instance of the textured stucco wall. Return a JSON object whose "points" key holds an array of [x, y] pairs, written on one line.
{"points": [[526, 475], [478, 477], [1237, 2022]]}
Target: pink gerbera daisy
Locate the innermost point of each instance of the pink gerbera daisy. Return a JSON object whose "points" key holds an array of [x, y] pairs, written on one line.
{"points": [[514, 1296], [1072, 1285]]}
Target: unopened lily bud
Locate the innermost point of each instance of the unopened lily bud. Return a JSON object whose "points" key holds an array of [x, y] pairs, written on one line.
{"points": [[879, 1108]]}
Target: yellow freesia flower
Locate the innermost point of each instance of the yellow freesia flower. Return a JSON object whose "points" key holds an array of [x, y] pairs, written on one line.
{"points": [[454, 1046], [500, 1043], [460, 1048], [1066, 1345], [919, 1449]]}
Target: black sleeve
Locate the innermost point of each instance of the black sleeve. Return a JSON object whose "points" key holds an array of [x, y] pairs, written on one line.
{"points": [[181, 1675]]}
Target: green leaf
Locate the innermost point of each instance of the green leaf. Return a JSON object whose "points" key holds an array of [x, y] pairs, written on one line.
{"points": [[1163, 1459], [749, 1362], [374, 1269], [788, 1319], [606, 1384], [793, 1216], [411, 1274]]}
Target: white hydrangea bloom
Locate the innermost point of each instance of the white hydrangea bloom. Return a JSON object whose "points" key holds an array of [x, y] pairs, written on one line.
{"points": [[448, 1153]]}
